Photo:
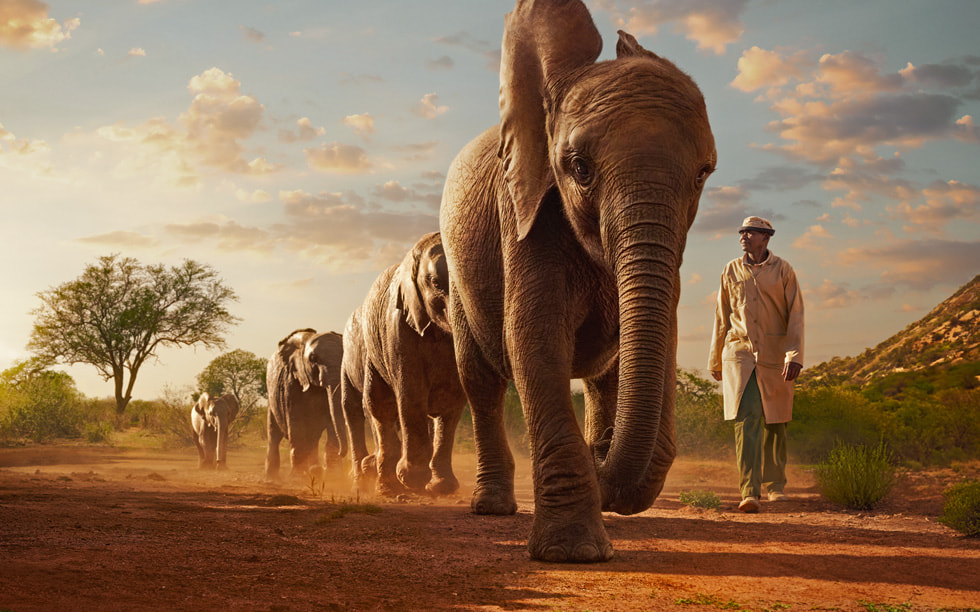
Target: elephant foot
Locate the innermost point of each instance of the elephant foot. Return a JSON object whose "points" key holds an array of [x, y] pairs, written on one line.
{"points": [[569, 542], [390, 488], [442, 486], [491, 500], [415, 477]]}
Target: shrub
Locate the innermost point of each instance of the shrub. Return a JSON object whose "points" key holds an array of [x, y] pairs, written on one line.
{"points": [[701, 499], [825, 415], [962, 508], [699, 425], [856, 476], [39, 404]]}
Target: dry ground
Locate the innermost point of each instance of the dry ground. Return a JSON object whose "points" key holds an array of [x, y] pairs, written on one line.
{"points": [[85, 528]]}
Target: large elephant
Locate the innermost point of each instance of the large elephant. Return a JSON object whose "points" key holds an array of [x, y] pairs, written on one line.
{"points": [[210, 419], [399, 367], [564, 229], [303, 379]]}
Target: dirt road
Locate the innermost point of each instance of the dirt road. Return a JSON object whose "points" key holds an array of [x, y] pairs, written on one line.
{"points": [[85, 528]]}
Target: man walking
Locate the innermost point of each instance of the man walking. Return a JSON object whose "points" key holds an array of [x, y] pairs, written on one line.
{"points": [[757, 353]]}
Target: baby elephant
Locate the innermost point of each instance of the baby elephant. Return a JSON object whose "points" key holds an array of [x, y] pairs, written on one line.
{"points": [[210, 418], [400, 368]]}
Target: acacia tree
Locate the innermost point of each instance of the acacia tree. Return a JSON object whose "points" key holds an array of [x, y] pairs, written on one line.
{"points": [[119, 312], [240, 373]]}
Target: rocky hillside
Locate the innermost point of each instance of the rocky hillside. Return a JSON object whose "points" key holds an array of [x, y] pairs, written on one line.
{"points": [[948, 335]]}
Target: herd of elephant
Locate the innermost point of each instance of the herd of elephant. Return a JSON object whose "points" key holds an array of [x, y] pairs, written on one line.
{"points": [[562, 231]]}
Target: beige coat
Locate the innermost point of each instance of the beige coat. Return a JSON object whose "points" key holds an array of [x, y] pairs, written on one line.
{"points": [[758, 325]]}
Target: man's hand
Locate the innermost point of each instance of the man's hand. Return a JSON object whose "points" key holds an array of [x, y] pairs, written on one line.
{"points": [[716, 374], [791, 370]]}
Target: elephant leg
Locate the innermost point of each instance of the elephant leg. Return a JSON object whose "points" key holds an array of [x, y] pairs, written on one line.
{"points": [[443, 480], [210, 448], [352, 402], [200, 451], [384, 414], [413, 467], [485, 389], [274, 435]]}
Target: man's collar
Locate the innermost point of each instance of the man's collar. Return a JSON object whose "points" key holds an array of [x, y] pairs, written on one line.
{"points": [[769, 257]]}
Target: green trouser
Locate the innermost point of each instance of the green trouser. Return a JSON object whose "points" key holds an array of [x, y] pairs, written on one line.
{"points": [[760, 449]]}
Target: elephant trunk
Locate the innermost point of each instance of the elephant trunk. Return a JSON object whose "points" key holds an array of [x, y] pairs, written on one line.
{"points": [[647, 255]]}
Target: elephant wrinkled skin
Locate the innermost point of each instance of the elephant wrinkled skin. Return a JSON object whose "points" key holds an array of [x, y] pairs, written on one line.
{"points": [[303, 378], [564, 229], [210, 419], [400, 369]]}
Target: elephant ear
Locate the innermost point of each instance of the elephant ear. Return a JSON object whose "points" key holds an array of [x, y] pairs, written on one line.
{"points": [[291, 349], [543, 41], [410, 300], [232, 402], [627, 46], [202, 404]]}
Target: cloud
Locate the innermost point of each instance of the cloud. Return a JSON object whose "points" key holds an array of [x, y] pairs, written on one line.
{"points": [[24, 155], [226, 236], [712, 24], [338, 158], [394, 191], [417, 151], [429, 108], [722, 210], [781, 178], [136, 52], [830, 295], [305, 131], [811, 238], [944, 203], [120, 239], [442, 63], [24, 24], [253, 35], [489, 52], [363, 125], [762, 69], [917, 264], [845, 105], [337, 227], [862, 179], [258, 196], [208, 135]]}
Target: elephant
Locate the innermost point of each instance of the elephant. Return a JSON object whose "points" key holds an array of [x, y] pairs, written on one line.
{"points": [[564, 228], [399, 367], [304, 384], [210, 419]]}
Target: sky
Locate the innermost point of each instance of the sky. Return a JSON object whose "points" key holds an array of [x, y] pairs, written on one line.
{"points": [[299, 148]]}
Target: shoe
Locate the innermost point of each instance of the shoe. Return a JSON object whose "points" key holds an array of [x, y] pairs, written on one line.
{"points": [[777, 496], [749, 505]]}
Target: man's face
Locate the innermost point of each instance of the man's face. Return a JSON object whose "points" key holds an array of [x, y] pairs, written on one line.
{"points": [[753, 240]]}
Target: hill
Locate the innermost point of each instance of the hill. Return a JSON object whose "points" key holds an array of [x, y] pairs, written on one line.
{"points": [[946, 338]]}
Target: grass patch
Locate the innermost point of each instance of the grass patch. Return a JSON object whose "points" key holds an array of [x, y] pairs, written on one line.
{"points": [[701, 499], [856, 476], [710, 600], [962, 508], [882, 607], [345, 509]]}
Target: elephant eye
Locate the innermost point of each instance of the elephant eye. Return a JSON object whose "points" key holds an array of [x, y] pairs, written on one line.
{"points": [[703, 174], [582, 171]]}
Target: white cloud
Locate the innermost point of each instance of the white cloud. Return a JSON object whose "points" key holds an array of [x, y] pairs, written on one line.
{"points": [[24, 154], [207, 136], [338, 158], [24, 24], [811, 238], [363, 125], [712, 24], [429, 108], [136, 52]]}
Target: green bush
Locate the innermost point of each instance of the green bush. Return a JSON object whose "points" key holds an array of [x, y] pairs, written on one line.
{"points": [[856, 476], [823, 416], [700, 428], [701, 499], [962, 508], [39, 404]]}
